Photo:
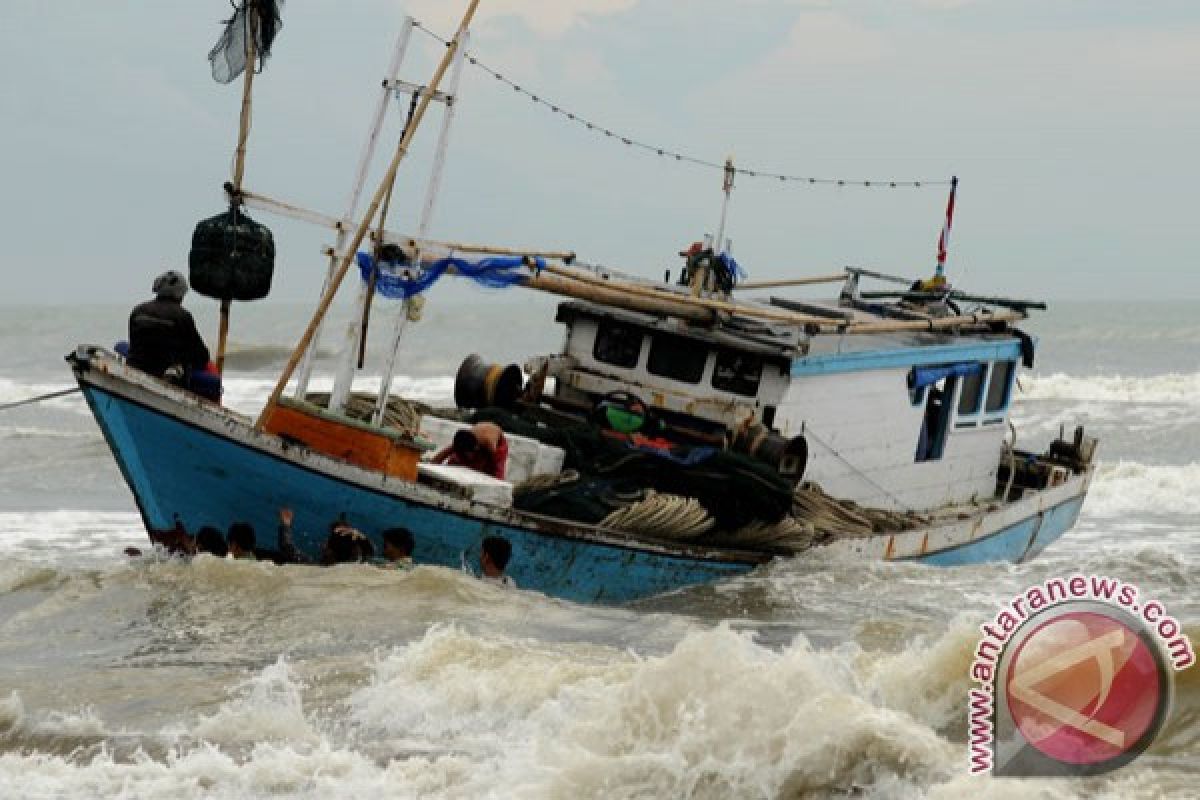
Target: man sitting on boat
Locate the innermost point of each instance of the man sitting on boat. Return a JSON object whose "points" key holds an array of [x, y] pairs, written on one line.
{"points": [[483, 448], [163, 339]]}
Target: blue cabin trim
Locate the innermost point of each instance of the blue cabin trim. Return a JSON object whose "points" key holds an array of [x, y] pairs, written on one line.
{"points": [[906, 357]]}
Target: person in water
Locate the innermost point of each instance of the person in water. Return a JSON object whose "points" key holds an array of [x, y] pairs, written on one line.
{"points": [[345, 544], [209, 540], [494, 555], [242, 541], [482, 448], [397, 548], [162, 334]]}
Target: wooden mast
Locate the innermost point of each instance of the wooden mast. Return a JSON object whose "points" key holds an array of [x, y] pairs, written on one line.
{"points": [[239, 161], [365, 224]]}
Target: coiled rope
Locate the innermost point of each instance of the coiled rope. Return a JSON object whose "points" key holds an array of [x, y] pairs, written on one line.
{"points": [[662, 516], [815, 517], [401, 414]]}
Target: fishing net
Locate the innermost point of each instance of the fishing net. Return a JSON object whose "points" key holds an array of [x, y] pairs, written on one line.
{"points": [[735, 490], [228, 56], [232, 257]]}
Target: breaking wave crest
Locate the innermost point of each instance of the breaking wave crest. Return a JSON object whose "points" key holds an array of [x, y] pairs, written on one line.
{"points": [[1170, 388], [719, 716], [456, 714], [1127, 487]]}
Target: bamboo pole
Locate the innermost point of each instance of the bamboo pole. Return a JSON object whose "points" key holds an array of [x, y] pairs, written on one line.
{"points": [[616, 295], [841, 276], [689, 300], [482, 249], [239, 165], [375, 252], [638, 298], [940, 323], [361, 232], [412, 243], [222, 334]]}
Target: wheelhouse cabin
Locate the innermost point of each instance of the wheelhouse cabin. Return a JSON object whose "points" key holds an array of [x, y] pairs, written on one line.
{"points": [[911, 420]]}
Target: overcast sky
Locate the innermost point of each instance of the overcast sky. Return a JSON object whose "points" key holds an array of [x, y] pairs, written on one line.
{"points": [[1073, 125]]}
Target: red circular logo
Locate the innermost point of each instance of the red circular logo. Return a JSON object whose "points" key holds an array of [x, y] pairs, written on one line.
{"points": [[1085, 688]]}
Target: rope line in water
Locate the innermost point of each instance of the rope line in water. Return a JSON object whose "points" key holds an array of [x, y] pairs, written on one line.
{"points": [[40, 398], [675, 155]]}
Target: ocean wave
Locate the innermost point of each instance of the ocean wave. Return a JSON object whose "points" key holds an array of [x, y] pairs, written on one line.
{"points": [[255, 357], [32, 432], [247, 395], [69, 537], [717, 716], [16, 391], [1128, 487], [267, 708], [1170, 388]]}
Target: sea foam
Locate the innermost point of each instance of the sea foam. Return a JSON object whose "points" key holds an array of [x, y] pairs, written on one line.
{"points": [[1171, 388], [1128, 487]]}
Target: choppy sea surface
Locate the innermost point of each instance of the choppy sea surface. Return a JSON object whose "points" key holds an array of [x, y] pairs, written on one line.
{"points": [[154, 678]]}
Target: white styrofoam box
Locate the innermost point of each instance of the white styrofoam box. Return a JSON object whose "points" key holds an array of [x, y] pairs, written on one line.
{"points": [[468, 483], [549, 460], [440, 431], [526, 457], [522, 458]]}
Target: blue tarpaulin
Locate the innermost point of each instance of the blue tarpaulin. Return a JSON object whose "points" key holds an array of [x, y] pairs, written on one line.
{"points": [[920, 377], [493, 273]]}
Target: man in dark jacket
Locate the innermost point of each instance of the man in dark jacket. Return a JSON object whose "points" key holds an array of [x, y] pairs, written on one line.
{"points": [[162, 333]]}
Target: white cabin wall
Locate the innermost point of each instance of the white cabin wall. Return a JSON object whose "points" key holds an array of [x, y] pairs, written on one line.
{"points": [[701, 398], [869, 419]]}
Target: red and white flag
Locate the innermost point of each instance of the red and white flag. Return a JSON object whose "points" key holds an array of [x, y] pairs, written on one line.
{"points": [[944, 239]]}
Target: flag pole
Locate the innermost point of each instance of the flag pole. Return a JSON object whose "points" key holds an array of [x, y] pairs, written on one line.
{"points": [[939, 276]]}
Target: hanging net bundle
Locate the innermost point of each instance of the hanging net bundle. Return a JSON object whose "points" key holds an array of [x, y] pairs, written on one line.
{"points": [[228, 56], [232, 257]]}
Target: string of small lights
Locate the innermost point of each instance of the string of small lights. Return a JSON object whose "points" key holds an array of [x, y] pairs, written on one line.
{"points": [[667, 153]]}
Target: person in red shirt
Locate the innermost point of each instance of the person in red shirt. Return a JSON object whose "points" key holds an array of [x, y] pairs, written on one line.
{"points": [[482, 448]]}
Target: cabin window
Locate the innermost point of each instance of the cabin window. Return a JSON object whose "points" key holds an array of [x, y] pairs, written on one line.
{"points": [[617, 344], [931, 441], [736, 372], [972, 392], [677, 357], [1000, 387]]}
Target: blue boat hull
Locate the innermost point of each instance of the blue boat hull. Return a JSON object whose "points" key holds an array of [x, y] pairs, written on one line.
{"points": [[182, 472], [1019, 542], [192, 463]]}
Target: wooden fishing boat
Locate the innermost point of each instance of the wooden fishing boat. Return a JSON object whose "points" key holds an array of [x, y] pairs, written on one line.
{"points": [[881, 417]]}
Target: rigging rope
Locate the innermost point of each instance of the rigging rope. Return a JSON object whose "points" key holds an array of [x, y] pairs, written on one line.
{"points": [[40, 398], [808, 431], [664, 152]]}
